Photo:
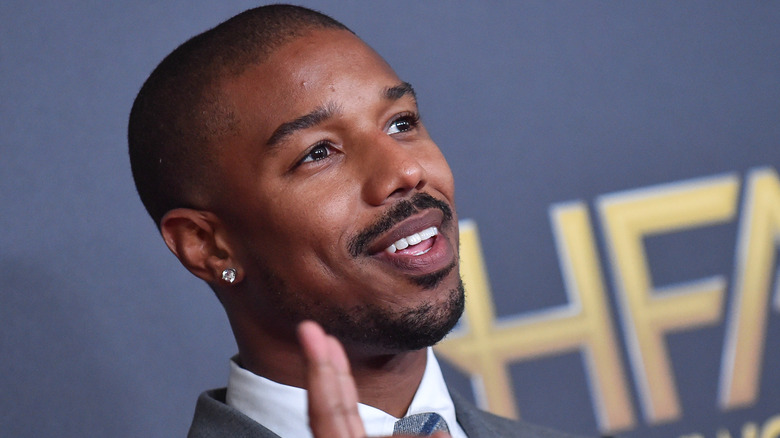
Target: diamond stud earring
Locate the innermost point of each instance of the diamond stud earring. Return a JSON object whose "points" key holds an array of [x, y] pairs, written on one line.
{"points": [[229, 275]]}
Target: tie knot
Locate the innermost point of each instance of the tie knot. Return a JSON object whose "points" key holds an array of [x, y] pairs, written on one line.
{"points": [[420, 424]]}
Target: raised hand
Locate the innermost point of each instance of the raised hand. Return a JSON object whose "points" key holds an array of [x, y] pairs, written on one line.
{"points": [[332, 394]]}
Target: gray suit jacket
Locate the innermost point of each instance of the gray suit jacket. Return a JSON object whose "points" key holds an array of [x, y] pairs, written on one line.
{"points": [[213, 418]]}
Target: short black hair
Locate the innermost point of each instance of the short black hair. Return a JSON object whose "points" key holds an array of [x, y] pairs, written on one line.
{"points": [[179, 113]]}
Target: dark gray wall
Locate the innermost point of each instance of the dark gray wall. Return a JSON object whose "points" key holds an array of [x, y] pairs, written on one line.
{"points": [[533, 103]]}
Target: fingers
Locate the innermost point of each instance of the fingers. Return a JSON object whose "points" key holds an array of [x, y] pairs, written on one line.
{"points": [[331, 390]]}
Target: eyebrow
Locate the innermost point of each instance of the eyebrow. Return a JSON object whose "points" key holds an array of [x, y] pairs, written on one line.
{"points": [[327, 111], [399, 91], [306, 121]]}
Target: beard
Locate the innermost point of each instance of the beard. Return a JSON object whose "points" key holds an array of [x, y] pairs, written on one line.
{"points": [[372, 327], [410, 329]]}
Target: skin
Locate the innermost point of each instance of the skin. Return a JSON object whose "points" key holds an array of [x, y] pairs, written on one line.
{"points": [[332, 395], [286, 213]]}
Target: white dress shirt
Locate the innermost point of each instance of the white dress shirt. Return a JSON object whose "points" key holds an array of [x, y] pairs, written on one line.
{"points": [[283, 409]]}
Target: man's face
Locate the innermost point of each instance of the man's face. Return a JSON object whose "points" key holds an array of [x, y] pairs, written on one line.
{"points": [[328, 177]]}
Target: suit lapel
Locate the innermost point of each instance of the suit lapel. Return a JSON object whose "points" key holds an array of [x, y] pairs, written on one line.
{"points": [[213, 418], [471, 419]]}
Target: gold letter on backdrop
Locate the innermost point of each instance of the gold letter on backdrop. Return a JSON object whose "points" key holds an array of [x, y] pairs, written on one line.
{"points": [[647, 314], [485, 347], [771, 428], [759, 233]]}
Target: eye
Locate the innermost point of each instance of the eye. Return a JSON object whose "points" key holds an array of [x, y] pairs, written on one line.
{"points": [[404, 123], [318, 152]]}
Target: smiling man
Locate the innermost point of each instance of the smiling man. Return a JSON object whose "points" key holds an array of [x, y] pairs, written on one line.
{"points": [[285, 165]]}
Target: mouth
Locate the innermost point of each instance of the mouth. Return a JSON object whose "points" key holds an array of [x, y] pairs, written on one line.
{"points": [[395, 225], [416, 245], [413, 236], [410, 236]]}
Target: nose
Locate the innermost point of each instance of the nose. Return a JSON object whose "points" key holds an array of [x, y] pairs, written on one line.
{"points": [[391, 169]]}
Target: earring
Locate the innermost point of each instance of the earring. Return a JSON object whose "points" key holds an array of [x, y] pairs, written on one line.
{"points": [[229, 275]]}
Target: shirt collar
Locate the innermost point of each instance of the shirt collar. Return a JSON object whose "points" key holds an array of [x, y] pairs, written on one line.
{"points": [[282, 408]]}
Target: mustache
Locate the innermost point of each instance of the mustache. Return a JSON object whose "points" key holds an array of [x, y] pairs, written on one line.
{"points": [[397, 213]]}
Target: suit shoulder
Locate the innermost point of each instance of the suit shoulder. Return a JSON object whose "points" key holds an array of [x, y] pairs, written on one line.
{"points": [[516, 428], [213, 418], [478, 423]]}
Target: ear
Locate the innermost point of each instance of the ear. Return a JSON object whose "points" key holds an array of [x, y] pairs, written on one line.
{"points": [[198, 241]]}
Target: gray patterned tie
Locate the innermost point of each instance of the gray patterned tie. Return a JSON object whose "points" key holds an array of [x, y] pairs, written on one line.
{"points": [[420, 424]]}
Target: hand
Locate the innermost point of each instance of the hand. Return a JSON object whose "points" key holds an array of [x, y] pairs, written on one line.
{"points": [[331, 391], [332, 394]]}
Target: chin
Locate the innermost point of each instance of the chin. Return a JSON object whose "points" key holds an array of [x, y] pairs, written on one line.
{"points": [[410, 329]]}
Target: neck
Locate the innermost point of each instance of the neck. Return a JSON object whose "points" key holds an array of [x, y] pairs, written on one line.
{"points": [[389, 382], [385, 381]]}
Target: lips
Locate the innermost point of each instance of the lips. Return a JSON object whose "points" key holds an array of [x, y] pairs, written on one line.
{"points": [[432, 253], [413, 225]]}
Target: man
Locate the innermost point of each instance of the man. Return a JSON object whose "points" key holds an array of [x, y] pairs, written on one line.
{"points": [[285, 165]]}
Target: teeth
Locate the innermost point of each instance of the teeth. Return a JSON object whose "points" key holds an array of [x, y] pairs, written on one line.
{"points": [[412, 240], [428, 233]]}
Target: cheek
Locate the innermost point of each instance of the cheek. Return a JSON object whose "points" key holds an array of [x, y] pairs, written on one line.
{"points": [[321, 202], [313, 221]]}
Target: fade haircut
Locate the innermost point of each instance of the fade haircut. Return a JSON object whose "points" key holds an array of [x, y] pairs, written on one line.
{"points": [[179, 116]]}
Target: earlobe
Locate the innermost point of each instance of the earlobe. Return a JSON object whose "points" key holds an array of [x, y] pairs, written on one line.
{"points": [[193, 237]]}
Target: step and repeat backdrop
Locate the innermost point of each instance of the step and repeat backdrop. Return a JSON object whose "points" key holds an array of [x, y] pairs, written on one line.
{"points": [[616, 168]]}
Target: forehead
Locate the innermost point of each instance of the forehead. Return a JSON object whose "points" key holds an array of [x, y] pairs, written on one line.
{"points": [[309, 71]]}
